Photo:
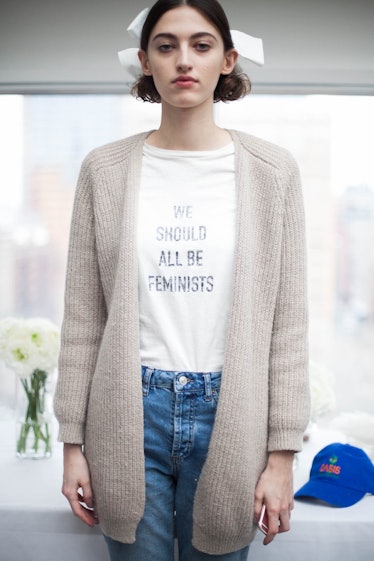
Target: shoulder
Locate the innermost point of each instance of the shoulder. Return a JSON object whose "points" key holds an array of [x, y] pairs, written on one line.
{"points": [[264, 152], [114, 153]]}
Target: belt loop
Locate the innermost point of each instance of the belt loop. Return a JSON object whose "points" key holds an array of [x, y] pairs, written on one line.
{"points": [[208, 386], [147, 375]]}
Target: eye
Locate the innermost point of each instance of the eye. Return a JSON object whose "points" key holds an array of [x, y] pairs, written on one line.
{"points": [[165, 48], [202, 47]]}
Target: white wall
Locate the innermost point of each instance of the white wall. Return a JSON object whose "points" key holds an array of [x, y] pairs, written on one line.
{"points": [[70, 45]]}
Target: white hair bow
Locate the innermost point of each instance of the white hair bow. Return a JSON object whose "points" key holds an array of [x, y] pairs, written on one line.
{"points": [[249, 48]]}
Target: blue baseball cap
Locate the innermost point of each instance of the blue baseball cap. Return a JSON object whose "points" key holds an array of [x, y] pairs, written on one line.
{"points": [[341, 475]]}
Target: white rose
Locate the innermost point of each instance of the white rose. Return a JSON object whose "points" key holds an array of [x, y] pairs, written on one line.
{"points": [[26, 345]]}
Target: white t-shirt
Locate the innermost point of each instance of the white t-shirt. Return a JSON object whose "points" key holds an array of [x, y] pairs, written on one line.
{"points": [[186, 238]]}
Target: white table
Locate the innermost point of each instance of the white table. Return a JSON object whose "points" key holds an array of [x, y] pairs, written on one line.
{"points": [[36, 523]]}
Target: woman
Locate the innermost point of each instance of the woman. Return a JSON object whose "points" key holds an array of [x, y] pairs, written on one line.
{"points": [[182, 392]]}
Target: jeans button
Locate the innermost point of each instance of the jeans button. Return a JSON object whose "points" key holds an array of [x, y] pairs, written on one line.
{"points": [[183, 380]]}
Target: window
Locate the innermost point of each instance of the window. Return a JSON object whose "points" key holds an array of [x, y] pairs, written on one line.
{"points": [[44, 139]]}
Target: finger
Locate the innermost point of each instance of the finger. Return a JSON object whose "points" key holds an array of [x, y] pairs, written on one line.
{"points": [[257, 508], [273, 525], [83, 513], [269, 537], [88, 508], [284, 522], [83, 502]]}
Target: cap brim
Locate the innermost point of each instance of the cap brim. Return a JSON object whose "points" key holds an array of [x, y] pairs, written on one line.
{"points": [[333, 494]]}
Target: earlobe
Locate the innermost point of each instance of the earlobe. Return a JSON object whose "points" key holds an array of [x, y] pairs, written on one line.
{"points": [[229, 62], [143, 58]]}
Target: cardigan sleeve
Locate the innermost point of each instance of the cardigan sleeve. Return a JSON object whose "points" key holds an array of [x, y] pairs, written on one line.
{"points": [[84, 315], [289, 400]]}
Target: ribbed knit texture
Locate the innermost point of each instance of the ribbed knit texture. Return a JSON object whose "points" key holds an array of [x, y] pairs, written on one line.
{"points": [[264, 398]]}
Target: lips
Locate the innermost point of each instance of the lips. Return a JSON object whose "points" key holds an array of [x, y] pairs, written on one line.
{"points": [[184, 81]]}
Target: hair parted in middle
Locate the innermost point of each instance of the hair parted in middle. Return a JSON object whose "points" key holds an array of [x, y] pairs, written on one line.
{"points": [[229, 87]]}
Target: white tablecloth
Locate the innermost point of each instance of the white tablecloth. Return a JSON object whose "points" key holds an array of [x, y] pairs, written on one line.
{"points": [[36, 523]]}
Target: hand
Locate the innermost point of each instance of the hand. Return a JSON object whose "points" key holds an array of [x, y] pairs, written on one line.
{"points": [[275, 490], [76, 485]]}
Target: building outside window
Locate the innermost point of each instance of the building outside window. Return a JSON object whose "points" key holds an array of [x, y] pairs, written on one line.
{"points": [[43, 140]]}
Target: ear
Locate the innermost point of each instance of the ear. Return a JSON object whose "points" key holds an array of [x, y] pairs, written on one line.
{"points": [[144, 61], [229, 61]]}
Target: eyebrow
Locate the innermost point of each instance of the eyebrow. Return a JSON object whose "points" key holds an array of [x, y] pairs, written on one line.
{"points": [[198, 35]]}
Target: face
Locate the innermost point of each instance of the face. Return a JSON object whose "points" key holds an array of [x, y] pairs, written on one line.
{"points": [[186, 57]]}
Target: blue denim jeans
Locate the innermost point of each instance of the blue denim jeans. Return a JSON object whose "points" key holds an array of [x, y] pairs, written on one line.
{"points": [[179, 411]]}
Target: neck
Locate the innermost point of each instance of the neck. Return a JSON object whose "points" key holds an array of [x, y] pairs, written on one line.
{"points": [[188, 129]]}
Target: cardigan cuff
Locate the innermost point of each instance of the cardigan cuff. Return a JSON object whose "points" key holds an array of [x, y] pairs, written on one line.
{"points": [[286, 440], [71, 433]]}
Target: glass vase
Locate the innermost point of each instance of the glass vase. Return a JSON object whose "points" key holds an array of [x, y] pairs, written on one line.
{"points": [[34, 417]]}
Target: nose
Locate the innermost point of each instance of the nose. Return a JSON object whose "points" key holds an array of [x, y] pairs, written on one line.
{"points": [[184, 60]]}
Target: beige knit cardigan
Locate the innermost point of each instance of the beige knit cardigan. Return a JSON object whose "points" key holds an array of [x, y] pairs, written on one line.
{"points": [[264, 398]]}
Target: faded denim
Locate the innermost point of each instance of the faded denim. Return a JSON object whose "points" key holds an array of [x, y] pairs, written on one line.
{"points": [[179, 411]]}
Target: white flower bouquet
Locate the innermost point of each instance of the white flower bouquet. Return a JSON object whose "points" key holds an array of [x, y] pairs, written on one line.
{"points": [[30, 347]]}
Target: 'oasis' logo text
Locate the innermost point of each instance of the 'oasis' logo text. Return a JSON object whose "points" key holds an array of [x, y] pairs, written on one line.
{"points": [[330, 468]]}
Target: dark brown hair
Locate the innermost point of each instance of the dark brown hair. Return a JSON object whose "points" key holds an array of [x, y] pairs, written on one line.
{"points": [[229, 87]]}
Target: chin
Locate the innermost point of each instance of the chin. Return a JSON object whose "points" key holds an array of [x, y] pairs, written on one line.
{"points": [[187, 100]]}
